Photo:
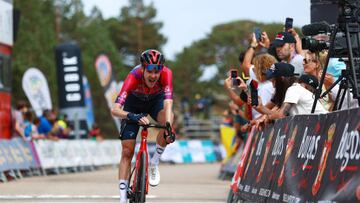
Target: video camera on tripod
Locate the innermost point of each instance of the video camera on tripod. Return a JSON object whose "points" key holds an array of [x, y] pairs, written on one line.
{"points": [[342, 41]]}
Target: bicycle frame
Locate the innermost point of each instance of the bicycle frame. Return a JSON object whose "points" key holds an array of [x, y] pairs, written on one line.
{"points": [[143, 149], [140, 160]]}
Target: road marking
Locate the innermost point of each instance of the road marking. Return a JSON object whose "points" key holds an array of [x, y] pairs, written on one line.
{"points": [[49, 196]]}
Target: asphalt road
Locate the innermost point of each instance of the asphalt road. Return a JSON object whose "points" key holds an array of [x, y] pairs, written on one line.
{"points": [[179, 183]]}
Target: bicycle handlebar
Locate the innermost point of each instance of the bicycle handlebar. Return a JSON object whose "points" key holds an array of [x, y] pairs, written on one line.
{"points": [[167, 126]]}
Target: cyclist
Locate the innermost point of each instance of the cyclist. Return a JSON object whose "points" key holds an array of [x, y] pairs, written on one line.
{"points": [[147, 89]]}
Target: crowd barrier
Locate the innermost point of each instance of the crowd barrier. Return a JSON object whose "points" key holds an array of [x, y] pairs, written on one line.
{"points": [[305, 158], [48, 156]]}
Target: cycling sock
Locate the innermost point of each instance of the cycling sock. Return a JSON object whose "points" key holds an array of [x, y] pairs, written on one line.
{"points": [[158, 151], [123, 185]]}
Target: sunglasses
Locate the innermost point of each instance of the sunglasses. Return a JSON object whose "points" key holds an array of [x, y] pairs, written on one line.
{"points": [[151, 67], [306, 61]]}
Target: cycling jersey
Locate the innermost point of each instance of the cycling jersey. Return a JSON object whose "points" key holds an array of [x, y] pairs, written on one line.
{"points": [[135, 84]]}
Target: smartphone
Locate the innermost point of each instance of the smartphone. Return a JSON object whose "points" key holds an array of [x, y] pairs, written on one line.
{"points": [[257, 32], [254, 93], [243, 96], [234, 75], [288, 24]]}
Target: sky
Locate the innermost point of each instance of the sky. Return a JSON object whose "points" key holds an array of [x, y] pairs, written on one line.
{"points": [[186, 21]]}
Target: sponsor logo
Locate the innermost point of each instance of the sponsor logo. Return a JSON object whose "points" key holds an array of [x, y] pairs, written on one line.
{"points": [[260, 145], [278, 146], [71, 78], [308, 148], [349, 147]]}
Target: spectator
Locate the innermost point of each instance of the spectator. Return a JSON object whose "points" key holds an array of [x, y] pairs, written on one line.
{"points": [[292, 97], [256, 68], [95, 133], [46, 125], [285, 44], [227, 119], [310, 82], [246, 63], [18, 120], [335, 69], [240, 124], [30, 130], [312, 66], [63, 130]]}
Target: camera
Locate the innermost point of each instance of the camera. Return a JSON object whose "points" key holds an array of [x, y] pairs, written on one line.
{"points": [[314, 45]]}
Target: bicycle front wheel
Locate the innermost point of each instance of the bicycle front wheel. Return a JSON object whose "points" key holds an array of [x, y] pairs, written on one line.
{"points": [[140, 189]]}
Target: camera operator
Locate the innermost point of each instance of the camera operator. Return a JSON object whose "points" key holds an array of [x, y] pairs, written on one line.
{"points": [[317, 43]]}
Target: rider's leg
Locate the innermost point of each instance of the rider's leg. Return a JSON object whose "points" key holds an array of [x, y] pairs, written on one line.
{"points": [[160, 140], [127, 153]]}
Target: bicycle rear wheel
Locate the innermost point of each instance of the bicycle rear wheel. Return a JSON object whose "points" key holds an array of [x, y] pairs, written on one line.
{"points": [[140, 189]]}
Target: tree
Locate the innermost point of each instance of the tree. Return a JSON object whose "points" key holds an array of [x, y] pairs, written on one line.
{"points": [[93, 37], [135, 31], [222, 48], [34, 45]]}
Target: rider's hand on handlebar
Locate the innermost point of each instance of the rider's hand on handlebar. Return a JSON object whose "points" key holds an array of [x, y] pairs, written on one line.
{"points": [[138, 118], [169, 135]]}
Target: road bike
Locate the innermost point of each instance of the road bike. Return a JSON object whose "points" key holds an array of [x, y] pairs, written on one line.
{"points": [[139, 174]]}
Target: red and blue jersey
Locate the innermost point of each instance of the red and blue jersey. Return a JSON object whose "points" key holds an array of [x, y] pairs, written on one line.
{"points": [[135, 84]]}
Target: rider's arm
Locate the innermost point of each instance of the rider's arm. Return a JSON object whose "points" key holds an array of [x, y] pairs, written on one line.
{"points": [[168, 103], [128, 85], [117, 111], [166, 81]]}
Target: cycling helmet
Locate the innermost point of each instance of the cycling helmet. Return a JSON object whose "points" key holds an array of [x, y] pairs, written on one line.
{"points": [[151, 59]]}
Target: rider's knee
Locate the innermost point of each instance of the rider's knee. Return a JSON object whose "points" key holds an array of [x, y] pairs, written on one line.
{"points": [[127, 153]]}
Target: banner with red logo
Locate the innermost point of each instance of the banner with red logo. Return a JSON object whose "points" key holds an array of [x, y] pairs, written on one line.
{"points": [[111, 88], [306, 158]]}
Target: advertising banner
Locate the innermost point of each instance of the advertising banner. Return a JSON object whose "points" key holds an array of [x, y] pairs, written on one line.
{"points": [[70, 87], [16, 154], [37, 91], [88, 103], [111, 88], [306, 158]]}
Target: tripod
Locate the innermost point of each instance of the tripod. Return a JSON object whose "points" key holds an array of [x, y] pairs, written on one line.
{"points": [[348, 78]]}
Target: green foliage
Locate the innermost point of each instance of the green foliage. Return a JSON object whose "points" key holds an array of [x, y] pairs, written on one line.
{"points": [[93, 37], [47, 23], [222, 48], [122, 39], [34, 45], [135, 30]]}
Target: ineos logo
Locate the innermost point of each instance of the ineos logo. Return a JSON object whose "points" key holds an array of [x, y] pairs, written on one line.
{"points": [[71, 78]]}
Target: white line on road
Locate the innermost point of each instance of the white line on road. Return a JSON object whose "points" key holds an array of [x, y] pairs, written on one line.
{"points": [[49, 196]]}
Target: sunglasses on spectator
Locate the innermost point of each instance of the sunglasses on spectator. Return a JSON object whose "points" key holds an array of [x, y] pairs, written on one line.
{"points": [[306, 61], [151, 67]]}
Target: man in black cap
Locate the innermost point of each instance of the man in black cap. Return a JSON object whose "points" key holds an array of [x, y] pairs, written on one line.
{"points": [[285, 44]]}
